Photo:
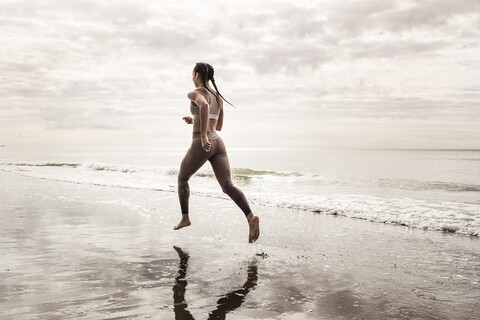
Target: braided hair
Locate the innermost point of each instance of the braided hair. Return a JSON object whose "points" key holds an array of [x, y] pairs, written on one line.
{"points": [[206, 72]]}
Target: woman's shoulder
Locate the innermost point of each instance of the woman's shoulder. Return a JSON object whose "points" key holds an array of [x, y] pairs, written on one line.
{"points": [[193, 95], [196, 91]]}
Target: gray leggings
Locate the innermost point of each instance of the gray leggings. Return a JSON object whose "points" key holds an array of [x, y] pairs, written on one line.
{"points": [[195, 158]]}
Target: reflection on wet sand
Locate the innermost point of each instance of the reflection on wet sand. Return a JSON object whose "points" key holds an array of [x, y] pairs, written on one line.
{"points": [[179, 303], [227, 303]]}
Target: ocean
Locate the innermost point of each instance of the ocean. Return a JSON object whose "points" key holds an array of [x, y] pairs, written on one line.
{"points": [[430, 189]]}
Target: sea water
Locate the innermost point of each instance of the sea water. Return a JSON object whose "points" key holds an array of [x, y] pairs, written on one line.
{"points": [[433, 189]]}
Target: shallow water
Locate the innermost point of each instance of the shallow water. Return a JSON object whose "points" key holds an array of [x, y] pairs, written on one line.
{"points": [[426, 189]]}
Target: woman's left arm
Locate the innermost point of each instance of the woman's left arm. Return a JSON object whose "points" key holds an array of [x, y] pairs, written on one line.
{"points": [[220, 121], [220, 116]]}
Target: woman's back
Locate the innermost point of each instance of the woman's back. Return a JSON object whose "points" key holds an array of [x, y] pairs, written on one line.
{"points": [[215, 109]]}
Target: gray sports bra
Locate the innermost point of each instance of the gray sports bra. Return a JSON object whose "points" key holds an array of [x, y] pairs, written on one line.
{"points": [[214, 109]]}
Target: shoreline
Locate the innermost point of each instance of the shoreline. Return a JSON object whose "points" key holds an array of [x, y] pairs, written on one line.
{"points": [[445, 229]]}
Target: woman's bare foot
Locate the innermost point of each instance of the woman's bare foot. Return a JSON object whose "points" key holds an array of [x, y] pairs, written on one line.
{"points": [[254, 224], [185, 222]]}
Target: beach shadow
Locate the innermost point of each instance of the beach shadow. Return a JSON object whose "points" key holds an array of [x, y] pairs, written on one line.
{"points": [[227, 303]]}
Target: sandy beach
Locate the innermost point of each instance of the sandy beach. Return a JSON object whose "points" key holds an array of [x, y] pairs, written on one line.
{"points": [[73, 251]]}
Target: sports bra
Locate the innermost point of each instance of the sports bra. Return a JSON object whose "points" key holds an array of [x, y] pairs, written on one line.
{"points": [[214, 109]]}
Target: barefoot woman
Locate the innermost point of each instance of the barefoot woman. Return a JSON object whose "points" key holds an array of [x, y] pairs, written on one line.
{"points": [[206, 107]]}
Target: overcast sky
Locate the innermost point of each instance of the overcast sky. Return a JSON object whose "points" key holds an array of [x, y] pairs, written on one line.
{"points": [[373, 74]]}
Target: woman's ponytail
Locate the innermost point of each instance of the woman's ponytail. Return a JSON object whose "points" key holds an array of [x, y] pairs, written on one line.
{"points": [[210, 76]]}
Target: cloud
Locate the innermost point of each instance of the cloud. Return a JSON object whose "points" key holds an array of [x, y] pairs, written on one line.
{"points": [[391, 49], [127, 65], [287, 58], [98, 118], [301, 36]]}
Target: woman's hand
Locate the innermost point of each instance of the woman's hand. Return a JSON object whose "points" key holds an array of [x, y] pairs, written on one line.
{"points": [[188, 120], [206, 143]]}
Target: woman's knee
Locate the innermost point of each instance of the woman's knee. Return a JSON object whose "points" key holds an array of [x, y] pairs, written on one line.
{"points": [[227, 187], [182, 177]]}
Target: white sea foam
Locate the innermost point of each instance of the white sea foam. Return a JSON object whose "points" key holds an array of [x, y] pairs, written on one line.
{"points": [[282, 189]]}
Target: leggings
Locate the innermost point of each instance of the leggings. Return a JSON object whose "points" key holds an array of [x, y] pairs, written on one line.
{"points": [[195, 158]]}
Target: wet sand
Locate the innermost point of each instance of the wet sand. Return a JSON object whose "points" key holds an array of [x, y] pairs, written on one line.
{"points": [[70, 251]]}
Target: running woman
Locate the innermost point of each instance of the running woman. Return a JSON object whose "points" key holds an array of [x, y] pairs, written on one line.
{"points": [[206, 106]]}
